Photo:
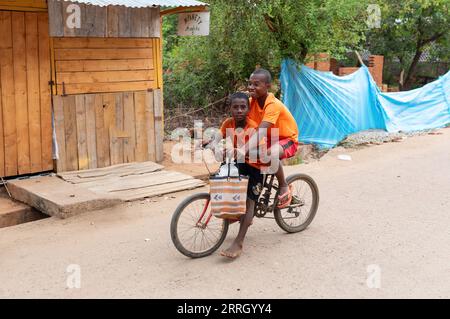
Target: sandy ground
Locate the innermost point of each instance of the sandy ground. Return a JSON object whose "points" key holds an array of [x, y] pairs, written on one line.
{"points": [[386, 212]]}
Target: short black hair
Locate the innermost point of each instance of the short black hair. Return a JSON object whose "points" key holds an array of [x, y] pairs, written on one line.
{"points": [[264, 72], [239, 95]]}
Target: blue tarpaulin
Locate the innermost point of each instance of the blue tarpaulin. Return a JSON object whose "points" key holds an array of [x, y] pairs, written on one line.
{"points": [[329, 107]]}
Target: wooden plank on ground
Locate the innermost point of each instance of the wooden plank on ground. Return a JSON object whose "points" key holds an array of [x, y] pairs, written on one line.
{"points": [[20, 90], [60, 133], [109, 87], [101, 133], [158, 190], [141, 151], [125, 169], [8, 97], [91, 130], [129, 127], [34, 108], [111, 178], [104, 65], [101, 43], [70, 126], [106, 76], [83, 162], [103, 54], [45, 94], [159, 130], [134, 182], [150, 120]]}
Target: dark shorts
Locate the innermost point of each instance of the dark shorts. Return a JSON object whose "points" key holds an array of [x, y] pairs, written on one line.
{"points": [[255, 180]]}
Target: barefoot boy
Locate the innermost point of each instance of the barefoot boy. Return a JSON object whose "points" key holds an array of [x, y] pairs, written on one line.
{"points": [[239, 127]]}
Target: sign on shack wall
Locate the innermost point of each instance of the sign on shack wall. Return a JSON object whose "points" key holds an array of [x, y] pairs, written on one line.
{"points": [[193, 23]]}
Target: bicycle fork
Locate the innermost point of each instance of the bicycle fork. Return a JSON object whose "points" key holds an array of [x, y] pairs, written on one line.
{"points": [[199, 223]]}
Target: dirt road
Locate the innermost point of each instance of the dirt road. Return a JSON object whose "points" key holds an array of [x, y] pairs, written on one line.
{"points": [[382, 230]]}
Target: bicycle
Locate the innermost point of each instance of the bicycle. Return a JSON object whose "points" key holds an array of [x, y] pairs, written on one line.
{"points": [[192, 218]]}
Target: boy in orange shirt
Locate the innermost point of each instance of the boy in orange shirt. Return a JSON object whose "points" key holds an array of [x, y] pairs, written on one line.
{"points": [[239, 128], [271, 113]]}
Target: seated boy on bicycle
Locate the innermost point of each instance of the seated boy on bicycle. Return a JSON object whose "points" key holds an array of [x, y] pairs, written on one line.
{"points": [[239, 128], [272, 115]]}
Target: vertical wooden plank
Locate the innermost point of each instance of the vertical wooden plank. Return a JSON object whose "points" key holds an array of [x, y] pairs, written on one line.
{"points": [[84, 26], [83, 162], [116, 143], [68, 32], [100, 22], [70, 127], [154, 22], [141, 151], [55, 14], [60, 134], [129, 127], [101, 133], [136, 23], [112, 25], [150, 120], [146, 22], [20, 90], [124, 22], [91, 130], [8, 97], [159, 133], [119, 126], [54, 88], [109, 110], [2, 149], [5, 44], [44, 78], [34, 108]]}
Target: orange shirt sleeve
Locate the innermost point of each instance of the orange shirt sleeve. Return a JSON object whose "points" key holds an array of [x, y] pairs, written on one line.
{"points": [[271, 113], [228, 123]]}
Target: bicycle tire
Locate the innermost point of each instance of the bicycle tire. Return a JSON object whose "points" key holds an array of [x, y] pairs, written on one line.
{"points": [[315, 205], [174, 227]]}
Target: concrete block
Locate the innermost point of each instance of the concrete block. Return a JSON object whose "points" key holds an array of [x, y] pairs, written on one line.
{"points": [[56, 197]]}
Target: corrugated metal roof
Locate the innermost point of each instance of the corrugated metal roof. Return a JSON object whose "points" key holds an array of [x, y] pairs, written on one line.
{"points": [[142, 3]]}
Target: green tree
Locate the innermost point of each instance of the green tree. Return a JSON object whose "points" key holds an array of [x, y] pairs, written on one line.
{"points": [[408, 29], [247, 33]]}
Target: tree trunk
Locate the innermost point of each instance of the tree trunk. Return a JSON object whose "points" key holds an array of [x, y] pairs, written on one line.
{"points": [[412, 70]]}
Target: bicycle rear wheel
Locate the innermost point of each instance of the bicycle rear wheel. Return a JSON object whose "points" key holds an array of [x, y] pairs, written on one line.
{"points": [[195, 233], [302, 210]]}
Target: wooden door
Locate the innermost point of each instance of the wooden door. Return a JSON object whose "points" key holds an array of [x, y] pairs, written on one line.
{"points": [[25, 97]]}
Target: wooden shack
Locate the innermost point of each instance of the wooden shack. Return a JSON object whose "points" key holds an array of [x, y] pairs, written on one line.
{"points": [[81, 83]]}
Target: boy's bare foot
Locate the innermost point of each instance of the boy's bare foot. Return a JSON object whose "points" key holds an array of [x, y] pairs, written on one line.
{"points": [[233, 252]]}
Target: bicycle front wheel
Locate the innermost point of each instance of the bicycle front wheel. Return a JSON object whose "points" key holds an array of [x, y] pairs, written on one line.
{"points": [[305, 202], [195, 233]]}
